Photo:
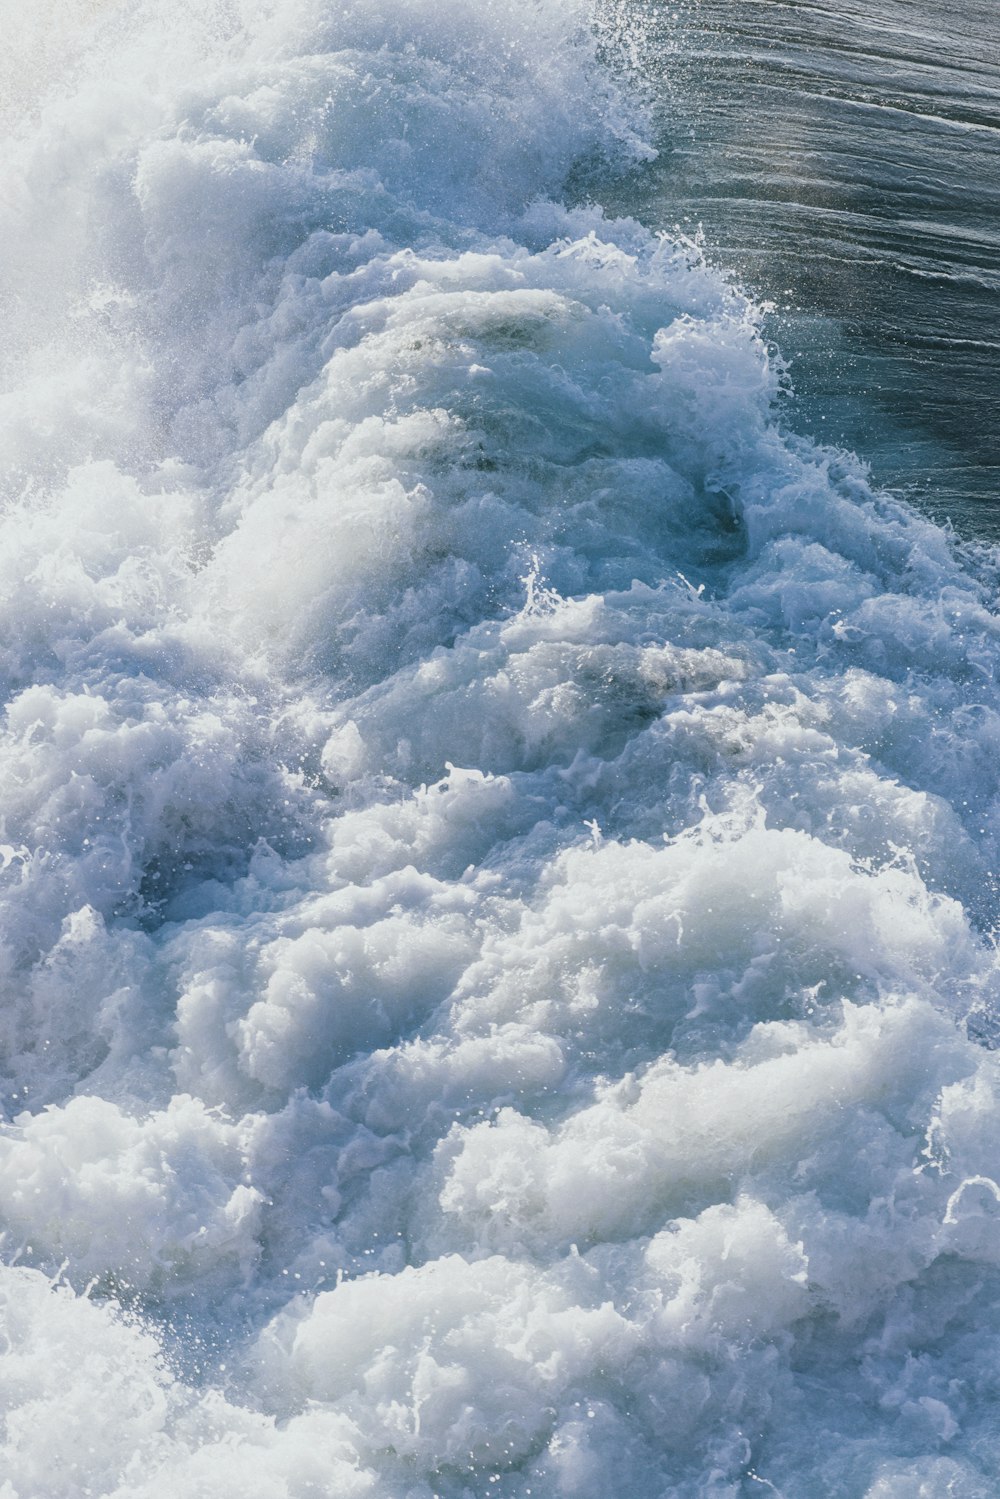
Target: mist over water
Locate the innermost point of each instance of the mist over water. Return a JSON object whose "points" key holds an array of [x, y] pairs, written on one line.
{"points": [[499, 827]]}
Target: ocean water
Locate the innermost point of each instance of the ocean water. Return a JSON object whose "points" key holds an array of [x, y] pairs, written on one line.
{"points": [[499, 822], [844, 159]]}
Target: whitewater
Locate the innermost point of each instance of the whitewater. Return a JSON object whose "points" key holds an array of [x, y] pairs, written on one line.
{"points": [[499, 831]]}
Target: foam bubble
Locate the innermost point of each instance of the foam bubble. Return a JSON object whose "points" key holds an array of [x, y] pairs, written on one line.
{"points": [[497, 834]]}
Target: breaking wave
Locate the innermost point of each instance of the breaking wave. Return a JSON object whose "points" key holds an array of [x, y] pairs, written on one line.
{"points": [[498, 834]]}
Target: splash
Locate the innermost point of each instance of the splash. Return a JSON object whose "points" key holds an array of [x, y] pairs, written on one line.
{"points": [[465, 1030]]}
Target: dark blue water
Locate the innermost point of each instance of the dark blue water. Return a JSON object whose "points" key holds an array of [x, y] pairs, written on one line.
{"points": [[843, 160]]}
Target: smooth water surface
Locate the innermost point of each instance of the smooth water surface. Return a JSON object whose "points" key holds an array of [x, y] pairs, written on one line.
{"points": [[844, 161]]}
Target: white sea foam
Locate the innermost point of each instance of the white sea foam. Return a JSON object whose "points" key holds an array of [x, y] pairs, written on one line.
{"points": [[498, 837]]}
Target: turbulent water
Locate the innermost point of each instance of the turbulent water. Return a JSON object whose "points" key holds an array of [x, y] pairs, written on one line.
{"points": [[499, 834]]}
